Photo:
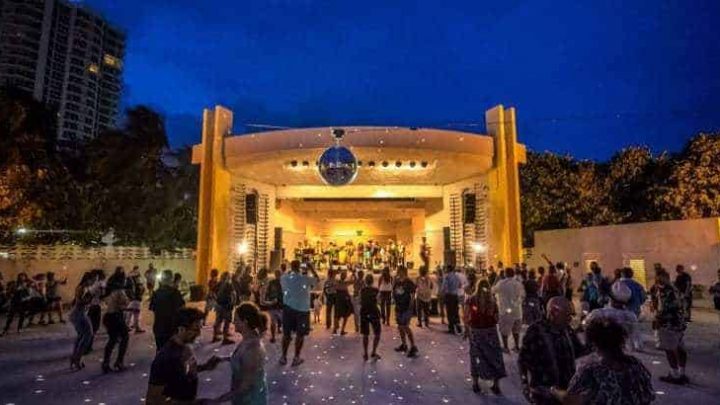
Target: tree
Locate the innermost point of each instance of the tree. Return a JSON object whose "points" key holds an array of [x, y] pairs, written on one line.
{"points": [[693, 189]]}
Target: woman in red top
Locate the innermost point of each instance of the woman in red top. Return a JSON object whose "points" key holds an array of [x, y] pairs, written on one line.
{"points": [[481, 318]]}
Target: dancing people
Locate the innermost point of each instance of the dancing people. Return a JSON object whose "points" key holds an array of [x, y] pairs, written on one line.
{"points": [[296, 309], [80, 320], [510, 295], [481, 319], [174, 371], [343, 303], [424, 297], [403, 295], [226, 301], [452, 285], [114, 322], [385, 286], [248, 385], [370, 317], [53, 299], [670, 323], [165, 304]]}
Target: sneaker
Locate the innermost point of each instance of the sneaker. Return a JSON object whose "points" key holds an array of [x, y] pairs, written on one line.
{"points": [[282, 361], [365, 357], [671, 379], [401, 348], [413, 352], [297, 361], [375, 356]]}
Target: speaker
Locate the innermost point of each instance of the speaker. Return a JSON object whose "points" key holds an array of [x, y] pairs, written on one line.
{"points": [[275, 259], [446, 239], [278, 238], [251, 209], [449, 258], [469, 202]]}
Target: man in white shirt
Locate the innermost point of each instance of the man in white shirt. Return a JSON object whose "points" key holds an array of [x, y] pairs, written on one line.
{"points": [[510, 294], [617, 310]]}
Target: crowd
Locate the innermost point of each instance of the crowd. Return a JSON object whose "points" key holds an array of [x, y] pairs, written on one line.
{"points": [[488, 307]]}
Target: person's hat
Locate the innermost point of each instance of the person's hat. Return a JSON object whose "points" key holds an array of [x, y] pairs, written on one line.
{"points": [[620, 292]]}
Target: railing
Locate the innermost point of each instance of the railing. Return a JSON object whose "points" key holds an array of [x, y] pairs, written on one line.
{"points": [[74, 252]]}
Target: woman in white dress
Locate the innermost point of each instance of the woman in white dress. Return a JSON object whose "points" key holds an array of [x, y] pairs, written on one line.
{"points": [[248, 383]]}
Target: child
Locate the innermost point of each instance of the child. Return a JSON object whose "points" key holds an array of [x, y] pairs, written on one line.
{"points": [[317, 307], [370, 316]]}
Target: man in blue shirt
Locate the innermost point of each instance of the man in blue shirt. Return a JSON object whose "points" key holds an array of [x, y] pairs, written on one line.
{"points": [[638, 297], [296, 287], [450, 289]]}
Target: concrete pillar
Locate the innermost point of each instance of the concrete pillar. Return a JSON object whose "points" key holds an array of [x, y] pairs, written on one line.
{"points": [[504, 182], [214, 195]]}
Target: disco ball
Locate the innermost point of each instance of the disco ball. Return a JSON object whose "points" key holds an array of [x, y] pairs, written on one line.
{"points": [[337, 166]]}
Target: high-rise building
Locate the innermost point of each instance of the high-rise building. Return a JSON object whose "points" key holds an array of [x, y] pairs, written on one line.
{"points": [[67, 56]]}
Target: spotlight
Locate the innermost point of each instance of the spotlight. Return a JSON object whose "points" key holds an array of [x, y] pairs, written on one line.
{"points": [[242, 247], [294, 163], [412, 164], [359, 163], [305, 163], [371, 163], [398, 163], [479, 247], [385, 164], [424, 164]]}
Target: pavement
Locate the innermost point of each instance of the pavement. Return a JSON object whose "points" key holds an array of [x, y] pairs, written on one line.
{"points": [[34, 369]]}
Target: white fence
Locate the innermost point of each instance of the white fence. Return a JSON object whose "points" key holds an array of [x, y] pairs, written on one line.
{"points": [[74, 252]]}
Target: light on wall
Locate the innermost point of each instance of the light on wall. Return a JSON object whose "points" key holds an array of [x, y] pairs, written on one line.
{"points": [[242, 248], [479, 247]]}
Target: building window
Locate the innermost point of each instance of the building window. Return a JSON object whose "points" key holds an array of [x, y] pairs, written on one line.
{"points": [[469, 202], [112, 61], [251, 208]]}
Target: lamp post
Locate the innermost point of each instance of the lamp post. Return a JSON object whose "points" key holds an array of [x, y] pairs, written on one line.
{"points": [[478, 248]]}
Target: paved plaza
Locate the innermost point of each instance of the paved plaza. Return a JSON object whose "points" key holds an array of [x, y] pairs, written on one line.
{"points": [[34, 369]]}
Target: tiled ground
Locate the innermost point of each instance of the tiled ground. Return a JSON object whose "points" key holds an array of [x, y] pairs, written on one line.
{"points": [[34, 370]]}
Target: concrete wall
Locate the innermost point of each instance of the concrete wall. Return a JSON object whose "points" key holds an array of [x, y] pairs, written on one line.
{"points": [[693, 243], [74, 269]]}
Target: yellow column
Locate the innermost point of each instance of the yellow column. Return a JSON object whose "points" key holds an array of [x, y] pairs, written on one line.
{"points": [[214, 195], [505, 228]]}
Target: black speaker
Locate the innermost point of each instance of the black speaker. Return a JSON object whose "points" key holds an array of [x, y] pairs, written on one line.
{"points": [[469, 208], [251, 208], [275, 259], [278, 238], [447, 245], [449, 258]]}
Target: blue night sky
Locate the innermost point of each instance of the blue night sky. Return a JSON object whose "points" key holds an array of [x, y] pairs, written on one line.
{"points": [[588, 77]]}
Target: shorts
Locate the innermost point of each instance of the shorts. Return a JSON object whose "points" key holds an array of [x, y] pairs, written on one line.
{"points": [[276, 315], [366, 321], [509, 325], [297, 322], [670, 339], [403, 317]]}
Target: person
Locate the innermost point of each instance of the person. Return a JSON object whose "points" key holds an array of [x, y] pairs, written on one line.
{"points": [[532, 310], [97, 291], [243, 283], [595, 288], [670, 322], [211, 298], [330, 293], [715, 293], [638, 296], [510, 294], [610, 376], [617, 310], [403, 293], [548, 353], [343, 303], [165, 304], [452, 285], [135, 290], [19, 296], [35, 304], [248, 385], [296, 288], [438, 292], [385, 285], [683, 283], [150, 279], [227, 299], [550, 285], [80, 320], [358, 284], [481, 319], [424, 297], [370, 317], [114, 322], [174, 371], [274, 301], [53, 299]]}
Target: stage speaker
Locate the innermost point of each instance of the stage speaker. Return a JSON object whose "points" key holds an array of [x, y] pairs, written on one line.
{"points": [[278, 238], [276, 257], [251, 208], [469, 202], [447, 245], [449, 258]]}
